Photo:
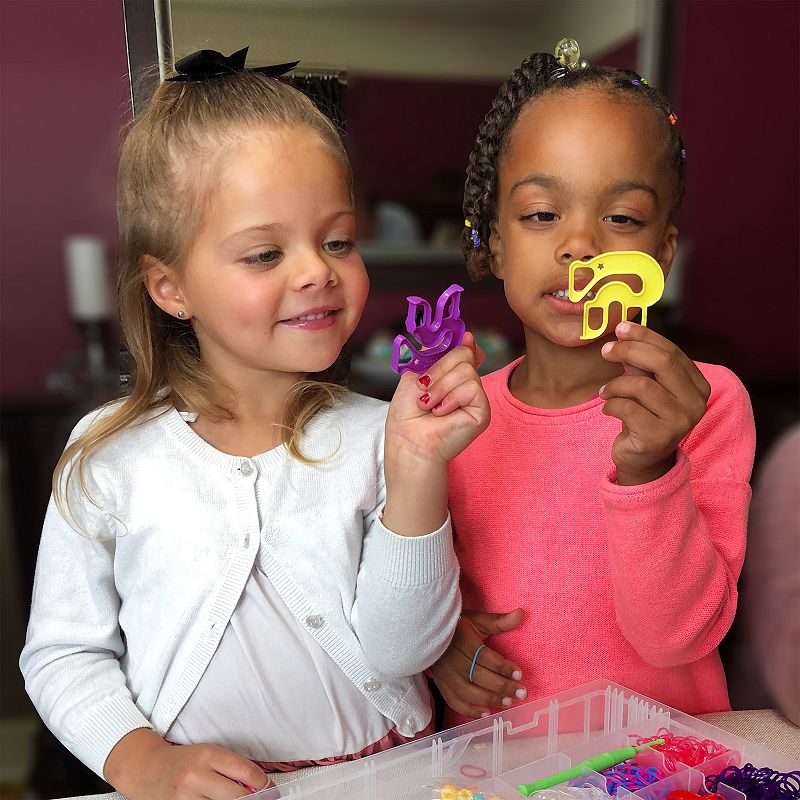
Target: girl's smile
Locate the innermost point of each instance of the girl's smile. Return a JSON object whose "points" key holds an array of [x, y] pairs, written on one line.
{"points": [[557, 298], [314, 319]]}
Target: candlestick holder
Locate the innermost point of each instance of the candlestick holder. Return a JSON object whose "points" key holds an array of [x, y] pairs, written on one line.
{"points": [[91, 307], [95, 350], [90, 367]]}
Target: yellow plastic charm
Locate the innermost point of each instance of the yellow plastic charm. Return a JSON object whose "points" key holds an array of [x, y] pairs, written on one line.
{"points": [[629, 262]]}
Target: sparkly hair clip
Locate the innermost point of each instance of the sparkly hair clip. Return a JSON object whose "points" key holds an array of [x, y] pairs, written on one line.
{"points": [[568, 55], [474, 237], [673, 118], [640, 82]]}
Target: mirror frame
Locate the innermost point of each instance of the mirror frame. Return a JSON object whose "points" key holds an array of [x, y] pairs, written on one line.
{"points": [[148, 35]]}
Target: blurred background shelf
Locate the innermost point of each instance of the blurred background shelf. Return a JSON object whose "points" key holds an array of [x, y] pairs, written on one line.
{"points": [[381, 254]]}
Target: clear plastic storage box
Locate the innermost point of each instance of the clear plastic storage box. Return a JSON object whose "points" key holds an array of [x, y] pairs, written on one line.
{"points": [[530, 742]]}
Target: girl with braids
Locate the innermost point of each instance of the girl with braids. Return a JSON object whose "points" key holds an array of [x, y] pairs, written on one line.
{"points": [[227, 584], [608, 498]]}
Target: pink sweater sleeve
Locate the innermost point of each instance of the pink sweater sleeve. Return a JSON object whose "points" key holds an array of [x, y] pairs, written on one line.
{"points": [[677, 544]]}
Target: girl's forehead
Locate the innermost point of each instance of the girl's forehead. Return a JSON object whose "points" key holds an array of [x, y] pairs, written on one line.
{"points": [[275, 160], [586, 133], [587, 105], [270, 144], [287, 176]]}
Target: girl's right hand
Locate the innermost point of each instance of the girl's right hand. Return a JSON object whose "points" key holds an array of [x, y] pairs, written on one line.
{"points": [[433, 417], [142, 766], [495, 681]]}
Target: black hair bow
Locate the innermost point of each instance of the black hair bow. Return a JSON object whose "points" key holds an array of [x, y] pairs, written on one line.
{"points": [[205, 64]]}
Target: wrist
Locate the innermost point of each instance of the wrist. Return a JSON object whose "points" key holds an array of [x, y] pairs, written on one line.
{"points": [[636, 477], [130, 757], [416, 500], [405, 456]]}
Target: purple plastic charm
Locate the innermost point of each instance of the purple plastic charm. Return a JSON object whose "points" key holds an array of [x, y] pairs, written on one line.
{"points": [[437, 336]]}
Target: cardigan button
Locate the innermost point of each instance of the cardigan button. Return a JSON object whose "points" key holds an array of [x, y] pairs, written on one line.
{"points": [[245, 468], [315, 621], [407, 727], [371, 685]]}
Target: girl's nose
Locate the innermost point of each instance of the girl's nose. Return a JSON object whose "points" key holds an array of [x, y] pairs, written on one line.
{"points": [[314, 273], [579, 244], [568, 258]]}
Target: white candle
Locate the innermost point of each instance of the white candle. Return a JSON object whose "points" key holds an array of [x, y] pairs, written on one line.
{"points": [[87, 278]]}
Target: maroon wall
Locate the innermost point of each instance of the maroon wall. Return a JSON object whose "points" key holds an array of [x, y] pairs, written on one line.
{"points": [[738, 109], [412, 136], [388, 120], [64, 95]]}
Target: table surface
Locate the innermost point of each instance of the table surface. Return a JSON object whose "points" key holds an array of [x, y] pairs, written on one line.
{"points": [[763, 726]]}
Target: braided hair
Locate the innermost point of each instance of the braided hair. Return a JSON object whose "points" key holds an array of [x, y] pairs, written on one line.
{"points": [[536, 77]]}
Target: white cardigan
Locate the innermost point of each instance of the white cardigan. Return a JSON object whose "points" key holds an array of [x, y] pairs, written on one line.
{"points": [[127, 615]]}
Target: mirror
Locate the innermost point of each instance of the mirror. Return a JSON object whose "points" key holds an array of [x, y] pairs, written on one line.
{"points": [[420, 76]]}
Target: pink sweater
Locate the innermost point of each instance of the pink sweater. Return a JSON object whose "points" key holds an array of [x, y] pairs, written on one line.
{"points": [[632, 583]]}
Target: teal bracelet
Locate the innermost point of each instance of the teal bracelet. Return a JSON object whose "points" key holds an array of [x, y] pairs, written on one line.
{"points": [[475, 661]]}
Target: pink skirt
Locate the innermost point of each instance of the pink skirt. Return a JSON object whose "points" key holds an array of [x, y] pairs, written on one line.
{"points": [[392, 739]]}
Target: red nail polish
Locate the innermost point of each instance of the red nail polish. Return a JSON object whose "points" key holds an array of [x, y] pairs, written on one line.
{"points": [[437, 406], [425, 380], [425, 398]]}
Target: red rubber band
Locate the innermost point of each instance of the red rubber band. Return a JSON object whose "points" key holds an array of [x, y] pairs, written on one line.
{"points": [[473, 771]]}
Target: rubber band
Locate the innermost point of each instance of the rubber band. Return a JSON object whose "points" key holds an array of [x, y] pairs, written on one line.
{"points": [[758, 784], [473, 771], [688, 750], [629, 775], [475, 661]]}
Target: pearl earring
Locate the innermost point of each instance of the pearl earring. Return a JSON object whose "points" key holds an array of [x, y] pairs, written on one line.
{"points": [[181, 314]]}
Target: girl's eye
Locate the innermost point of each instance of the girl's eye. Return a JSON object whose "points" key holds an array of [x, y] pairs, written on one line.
{"points": [[540, 216], [623, 219], [339, 246], [267, 257]]}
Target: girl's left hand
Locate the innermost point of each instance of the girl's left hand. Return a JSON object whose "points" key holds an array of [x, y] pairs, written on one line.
{"points": [[659, 399], [434, 416]]}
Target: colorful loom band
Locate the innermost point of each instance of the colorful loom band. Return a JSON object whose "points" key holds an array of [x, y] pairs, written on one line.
{"points": [[474, 661], [687, 750], [758, 784]]}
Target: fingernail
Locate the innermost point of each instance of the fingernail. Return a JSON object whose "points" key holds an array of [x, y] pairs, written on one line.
{"points": [[600, 390], [484, 714], [425, 380], [425, 398], [521, 694], [507, 701], [606, 348], [516, 675], [623, 327], [437, 406]]}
